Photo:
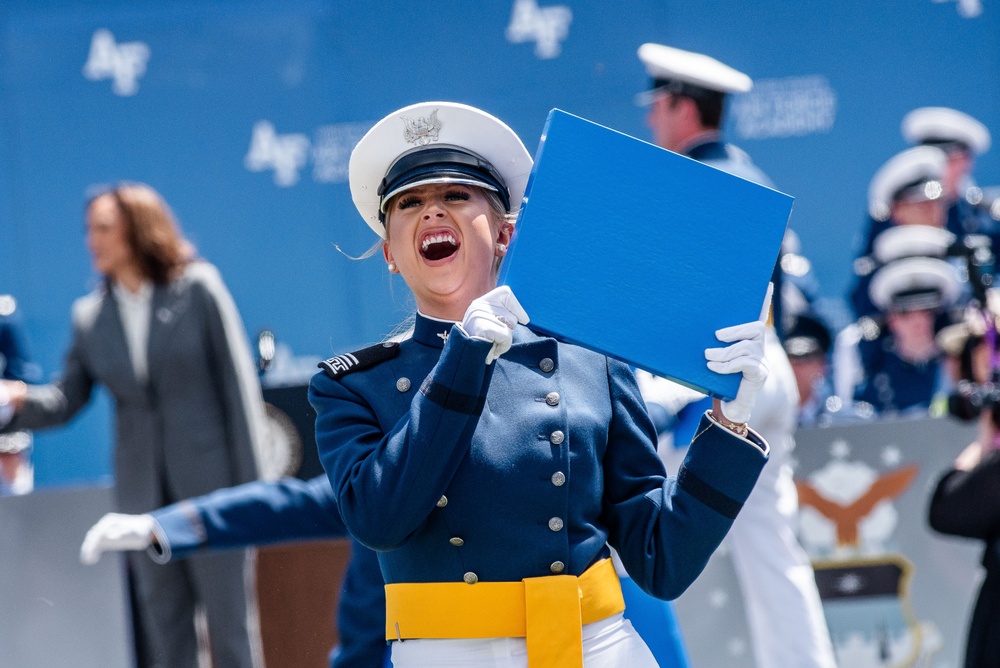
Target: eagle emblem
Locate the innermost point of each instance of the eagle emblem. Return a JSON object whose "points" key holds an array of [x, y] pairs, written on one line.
{"points": [[422, 131]]}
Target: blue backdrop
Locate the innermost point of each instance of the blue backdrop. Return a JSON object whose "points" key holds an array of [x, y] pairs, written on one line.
{"points": [[243, 113]]}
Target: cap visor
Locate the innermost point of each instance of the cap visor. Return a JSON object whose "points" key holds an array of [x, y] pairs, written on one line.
{"points": [[646, 97], [465, 181]]}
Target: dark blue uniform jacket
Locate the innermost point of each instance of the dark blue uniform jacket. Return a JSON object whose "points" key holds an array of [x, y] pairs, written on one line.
{"points": [[456, 470]]}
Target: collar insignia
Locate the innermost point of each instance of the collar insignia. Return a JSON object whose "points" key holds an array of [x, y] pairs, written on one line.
{"points": [[422, 131], [443, 335]]}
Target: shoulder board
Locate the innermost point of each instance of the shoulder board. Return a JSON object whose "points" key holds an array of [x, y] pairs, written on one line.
{"points": [[341, 365]]}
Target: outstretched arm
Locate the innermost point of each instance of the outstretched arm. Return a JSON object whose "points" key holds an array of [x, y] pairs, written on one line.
{"points": [[257, 513]]}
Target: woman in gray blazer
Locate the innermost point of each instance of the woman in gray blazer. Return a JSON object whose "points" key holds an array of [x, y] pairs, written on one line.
{"points": [[163, 335]]}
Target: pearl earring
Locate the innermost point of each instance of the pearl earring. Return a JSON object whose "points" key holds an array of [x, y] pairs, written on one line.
{"points": [[502, 248], [392, 268]]}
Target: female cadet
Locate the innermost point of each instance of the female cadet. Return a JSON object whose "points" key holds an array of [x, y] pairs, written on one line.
{"points": [[491, 467]]}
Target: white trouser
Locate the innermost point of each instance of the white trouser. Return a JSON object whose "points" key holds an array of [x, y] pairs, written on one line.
{"points": [[609, 643]]}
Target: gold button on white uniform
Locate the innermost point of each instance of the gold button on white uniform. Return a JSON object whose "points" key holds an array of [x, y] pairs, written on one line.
{"points": [[558, 478], [556, 524], [442, 502], [471, 578], [557, 437], [552, 398], [456, 541], [546, 364], [557, 567], [403, 384]]}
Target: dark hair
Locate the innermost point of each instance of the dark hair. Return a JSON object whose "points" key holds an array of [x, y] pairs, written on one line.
{"points": [[709, 103], [150, 230]]}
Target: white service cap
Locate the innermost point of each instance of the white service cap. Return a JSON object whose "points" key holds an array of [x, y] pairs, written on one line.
{"points": [[669, 66], [901, 241], [915, 174], [436, 142], [943, 126], [915, 283]]}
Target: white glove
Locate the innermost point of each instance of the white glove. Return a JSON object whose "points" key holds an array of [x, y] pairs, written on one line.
{"points": [[116, 531], [745, 355], [493, 317]]}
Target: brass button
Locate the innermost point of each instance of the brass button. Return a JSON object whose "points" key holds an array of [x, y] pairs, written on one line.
{"points": [[403, 384], [557, 437], [552, 398], [556, 524], [557, 567], [442, 502], [558, 478], [546, 364], [456, 541], [470, 578]]}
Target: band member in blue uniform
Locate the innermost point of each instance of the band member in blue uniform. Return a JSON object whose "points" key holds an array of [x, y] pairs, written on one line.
{"points": [[907, 190], [490, 467], [807, 345], [962, 138], [261, 513], [903, 371]]}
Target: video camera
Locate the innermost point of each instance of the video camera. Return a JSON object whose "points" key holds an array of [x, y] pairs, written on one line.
{"points": [[969, 399]]}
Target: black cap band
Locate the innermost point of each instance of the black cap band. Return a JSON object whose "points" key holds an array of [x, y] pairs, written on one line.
{"points": [[675, 87], [918, 299], [922, 189], [798, 347], [440, 161], [947, 145]]}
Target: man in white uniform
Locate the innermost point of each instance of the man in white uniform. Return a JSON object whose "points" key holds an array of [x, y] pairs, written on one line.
{"points": [[782, 604]]}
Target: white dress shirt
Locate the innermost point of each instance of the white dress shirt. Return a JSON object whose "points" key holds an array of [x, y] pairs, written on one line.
{"points": [[135, 311]]}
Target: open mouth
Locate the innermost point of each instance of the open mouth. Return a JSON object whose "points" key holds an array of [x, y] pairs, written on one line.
{"points": [[438, 246]]}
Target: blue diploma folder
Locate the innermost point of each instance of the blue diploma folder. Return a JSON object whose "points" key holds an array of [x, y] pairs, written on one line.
{"points": [[640, 253]]}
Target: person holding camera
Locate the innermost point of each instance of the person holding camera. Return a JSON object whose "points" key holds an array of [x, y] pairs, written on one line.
{"points": [[966, 500]]}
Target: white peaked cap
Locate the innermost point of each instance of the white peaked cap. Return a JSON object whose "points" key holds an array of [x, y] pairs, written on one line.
{"points": [[503, 161], [944, 125], [697, 69], [915, 283], [913, 166], [901, 241]]}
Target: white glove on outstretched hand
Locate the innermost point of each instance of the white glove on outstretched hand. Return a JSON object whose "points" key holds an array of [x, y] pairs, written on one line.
{"points": [[745, 355], [116, 531], [493, 317]]}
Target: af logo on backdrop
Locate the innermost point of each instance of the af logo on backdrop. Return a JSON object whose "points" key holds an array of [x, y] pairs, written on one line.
{"points": [[124, 63], [546, 26], [287, 154]]}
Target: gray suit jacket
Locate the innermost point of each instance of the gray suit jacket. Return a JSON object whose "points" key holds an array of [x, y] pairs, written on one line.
{"points": [[196, 424]]}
